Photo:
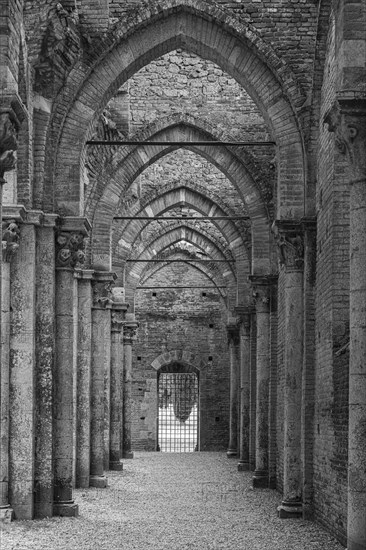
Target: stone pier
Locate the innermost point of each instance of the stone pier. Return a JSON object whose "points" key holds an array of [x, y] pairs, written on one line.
{"points": [[233, 342], [69, 254], [119, 309], [244, 317], [83, 399], [129, 335], [100, 375], [291, 246], [261, 292]]}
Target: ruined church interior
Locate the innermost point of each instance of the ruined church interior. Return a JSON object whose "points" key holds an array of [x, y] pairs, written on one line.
{"points": [[183, 271]]}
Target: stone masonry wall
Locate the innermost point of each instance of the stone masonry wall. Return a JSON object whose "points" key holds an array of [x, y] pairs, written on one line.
{"points": [[180, 320], [332, 322]]}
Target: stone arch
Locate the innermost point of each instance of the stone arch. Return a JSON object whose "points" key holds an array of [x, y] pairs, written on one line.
{"points": [[205, 30], [143, 156], [179, 356]]}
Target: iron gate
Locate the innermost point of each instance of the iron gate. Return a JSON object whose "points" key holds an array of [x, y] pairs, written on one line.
{"points": [[178, 412]]}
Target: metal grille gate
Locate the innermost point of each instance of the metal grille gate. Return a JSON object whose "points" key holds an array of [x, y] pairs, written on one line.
{"points": [[178, 412]]}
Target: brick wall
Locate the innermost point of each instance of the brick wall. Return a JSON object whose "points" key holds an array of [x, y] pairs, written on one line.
{"points": [[180, 320]]}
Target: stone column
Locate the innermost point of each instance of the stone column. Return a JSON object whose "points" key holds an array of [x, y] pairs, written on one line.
{"points": [[83, 395], [10, 245], [261, 292], [244, 317], [118, 316], [100, 376], [45, 356], [233, 341], [129, 335], [289, 236], [8, 144], [22, 371], [69, 254]]}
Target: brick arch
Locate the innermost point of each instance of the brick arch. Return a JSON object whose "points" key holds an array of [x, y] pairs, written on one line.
{"points": [[182, 356], [156, 29], [141, 157], [130, 230]]}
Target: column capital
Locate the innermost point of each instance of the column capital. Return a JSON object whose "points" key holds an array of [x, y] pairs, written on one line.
{"points": [[130, 331], [261, 285], [233, 330], [118, 316], [347, 119], [70, 241], [10, 239], [289, 237], [102, 289], [244, 314], [9, 127]]}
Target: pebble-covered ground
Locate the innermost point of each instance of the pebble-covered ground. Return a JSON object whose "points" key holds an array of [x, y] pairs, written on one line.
{"points": [[195, 501]]}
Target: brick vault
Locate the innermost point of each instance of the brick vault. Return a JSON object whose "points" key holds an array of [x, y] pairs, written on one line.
{"points": [[183, 191]]}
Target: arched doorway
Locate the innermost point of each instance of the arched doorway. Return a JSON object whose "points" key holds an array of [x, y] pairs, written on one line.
{"points": [[178, 409]]}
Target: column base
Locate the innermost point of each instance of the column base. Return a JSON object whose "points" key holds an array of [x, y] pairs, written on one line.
{"points": [[290, 510], [231, 453], [100, 482], [66, 509], [260, 479], [6, 514], [243, 466], [272, 482], [128, 454], [116, 466]]}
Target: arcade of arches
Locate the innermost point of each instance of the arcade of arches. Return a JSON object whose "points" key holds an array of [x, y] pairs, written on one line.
{"points": [[222, 238]]}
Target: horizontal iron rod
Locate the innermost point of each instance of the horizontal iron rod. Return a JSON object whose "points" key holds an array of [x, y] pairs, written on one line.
{"points": [[158, 287], [183, 143], [178, 260], [152, 218]]}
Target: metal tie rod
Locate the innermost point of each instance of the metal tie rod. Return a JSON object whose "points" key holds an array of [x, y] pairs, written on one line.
{"points": [[184, 143], [185, 261], [153, 218]]}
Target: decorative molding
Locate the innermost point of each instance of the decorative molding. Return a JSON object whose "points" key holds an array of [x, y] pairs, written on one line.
{"points": [[289, 236], [10, 239]]}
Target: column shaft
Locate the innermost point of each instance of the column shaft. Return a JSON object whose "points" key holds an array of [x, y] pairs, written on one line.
{"points": [[292, 479], [127, 398], [83, 378], [22, 375], [243, 464], [45, 354], [64, 394], [233, 340]]}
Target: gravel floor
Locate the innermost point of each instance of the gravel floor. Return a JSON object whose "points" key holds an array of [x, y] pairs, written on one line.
{"points": [[172, 501]]}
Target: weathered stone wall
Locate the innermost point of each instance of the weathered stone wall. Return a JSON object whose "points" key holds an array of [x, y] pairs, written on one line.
{"points": [[332, 320], [180, 319]]}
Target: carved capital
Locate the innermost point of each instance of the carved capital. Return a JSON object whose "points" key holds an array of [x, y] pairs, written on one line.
{"points": [[70, 249], [10, 239], [117, 320], [8, 141], [289, 237], [261, 285], [102, 289], [129, 332], [244, 316], [347, 119]]}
